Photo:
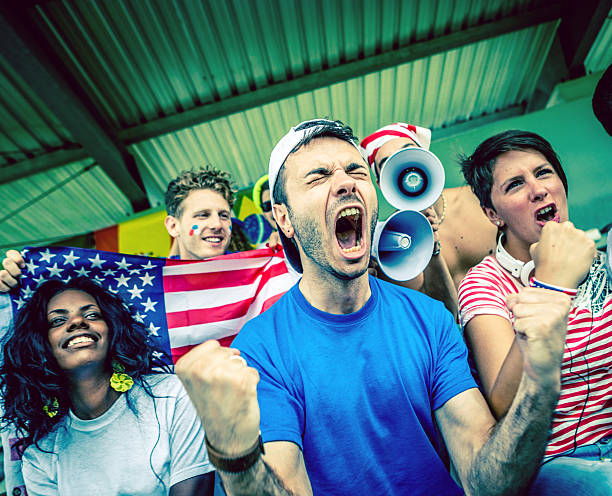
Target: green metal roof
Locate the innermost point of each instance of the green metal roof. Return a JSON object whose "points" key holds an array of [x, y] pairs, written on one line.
{"points": [[183, 83]]}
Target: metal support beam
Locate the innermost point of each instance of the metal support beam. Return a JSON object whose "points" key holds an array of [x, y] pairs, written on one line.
{"points": [[42, 163], [24, 54], [580, 24], [337, 74]]}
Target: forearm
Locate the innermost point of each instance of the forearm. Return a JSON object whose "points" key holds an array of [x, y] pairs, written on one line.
{"points": [[259, 480], [507, 382], [510, 458], [439, 284]]}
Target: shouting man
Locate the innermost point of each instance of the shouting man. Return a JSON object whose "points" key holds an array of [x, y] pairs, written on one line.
{"points": [[338, 387]]}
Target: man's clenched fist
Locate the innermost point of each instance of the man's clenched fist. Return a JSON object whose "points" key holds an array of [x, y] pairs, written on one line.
{"points": [[224, 392], [540, 322]]}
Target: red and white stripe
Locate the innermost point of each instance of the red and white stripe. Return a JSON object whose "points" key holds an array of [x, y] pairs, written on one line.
{"points": [[587, 356], [213, 299], [371, 144]]}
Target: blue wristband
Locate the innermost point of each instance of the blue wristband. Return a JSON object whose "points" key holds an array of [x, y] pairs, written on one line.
{"points": [[534, 283]]}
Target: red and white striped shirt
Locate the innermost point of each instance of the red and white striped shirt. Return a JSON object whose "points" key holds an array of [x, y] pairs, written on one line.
{"points": [[583, 414]]}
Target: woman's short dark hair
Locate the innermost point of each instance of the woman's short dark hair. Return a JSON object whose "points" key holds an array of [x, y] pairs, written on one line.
{"points": [[478, 167], [29, 375]]}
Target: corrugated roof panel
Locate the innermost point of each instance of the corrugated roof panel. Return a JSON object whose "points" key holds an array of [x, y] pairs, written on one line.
{"points": [[27, 127], [600, 55], [144, 59], [60, 203], [433, 92]]}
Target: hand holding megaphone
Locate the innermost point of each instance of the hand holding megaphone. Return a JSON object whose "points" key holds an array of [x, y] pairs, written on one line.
{"points": [[411, 180]]}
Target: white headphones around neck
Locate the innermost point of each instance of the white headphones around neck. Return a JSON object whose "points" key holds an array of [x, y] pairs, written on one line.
{"points": [[520, 270]]}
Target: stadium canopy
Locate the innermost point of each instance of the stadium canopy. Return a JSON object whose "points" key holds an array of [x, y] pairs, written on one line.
{"points": [[104, 101]]}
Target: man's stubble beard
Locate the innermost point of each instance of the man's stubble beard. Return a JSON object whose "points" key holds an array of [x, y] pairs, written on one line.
{"points": [[310, 237]]}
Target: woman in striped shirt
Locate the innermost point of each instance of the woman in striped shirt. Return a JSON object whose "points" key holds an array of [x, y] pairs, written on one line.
{"points": [[522, 189]]}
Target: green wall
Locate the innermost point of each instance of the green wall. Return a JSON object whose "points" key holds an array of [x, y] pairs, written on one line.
{"points": [[585, 150]]}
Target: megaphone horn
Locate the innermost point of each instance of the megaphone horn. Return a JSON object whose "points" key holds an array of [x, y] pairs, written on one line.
{"points": [[403, 244], [412, 179]]}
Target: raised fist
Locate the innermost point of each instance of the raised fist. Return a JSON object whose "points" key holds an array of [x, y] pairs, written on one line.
{"points": [[540, 322], [223, 390], [563, 255]]}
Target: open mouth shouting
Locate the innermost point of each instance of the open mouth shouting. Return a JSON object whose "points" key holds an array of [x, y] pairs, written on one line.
{"points": [[82, 340], [349, 232], [546, 214]]}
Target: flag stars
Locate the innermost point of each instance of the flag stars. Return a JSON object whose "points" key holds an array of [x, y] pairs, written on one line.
{"points": [[149, 305], [123, 264], [70, 258], [121, 280], [147, 279], [20, 302], [96, 261], [39, 280], [135, 292], [139, 317], [82, 272], [55, 271], [31, 266], [109, 272], [153, 330], [148, 266], [134, 271], [46, 256], [27, 292]]}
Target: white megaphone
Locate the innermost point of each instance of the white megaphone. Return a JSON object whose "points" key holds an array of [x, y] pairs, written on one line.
{"points": [[412, 179], [403, 244]]}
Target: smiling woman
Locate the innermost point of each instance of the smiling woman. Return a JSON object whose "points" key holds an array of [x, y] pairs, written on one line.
{"points": [[77, 384]]}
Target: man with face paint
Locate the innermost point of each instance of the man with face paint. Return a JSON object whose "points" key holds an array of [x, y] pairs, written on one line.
{"points": [[199, 205], [337, 388]]}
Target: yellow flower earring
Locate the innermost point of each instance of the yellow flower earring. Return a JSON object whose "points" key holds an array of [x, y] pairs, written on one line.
{"points": [[120, 381], [51, 408]]}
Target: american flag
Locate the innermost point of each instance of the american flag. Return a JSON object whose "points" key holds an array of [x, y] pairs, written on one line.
{"points": [[181, 302]]}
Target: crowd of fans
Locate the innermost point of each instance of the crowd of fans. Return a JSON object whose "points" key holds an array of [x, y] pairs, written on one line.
{"points": [[351, 383]]}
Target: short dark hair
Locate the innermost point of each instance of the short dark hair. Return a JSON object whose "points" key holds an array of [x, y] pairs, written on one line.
{"points": [[29, 375], [602, 100], [320, 129], [187, 181], [478, 168]]}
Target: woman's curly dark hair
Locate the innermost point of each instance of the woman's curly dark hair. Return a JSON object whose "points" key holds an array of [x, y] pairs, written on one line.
{"points": [[30, 377]]}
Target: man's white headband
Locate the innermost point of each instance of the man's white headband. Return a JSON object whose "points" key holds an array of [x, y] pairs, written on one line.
{"points": [[288, 142]]}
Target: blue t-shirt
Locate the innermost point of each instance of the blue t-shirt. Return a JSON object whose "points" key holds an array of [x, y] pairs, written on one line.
{"points": [[357, 392]]}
